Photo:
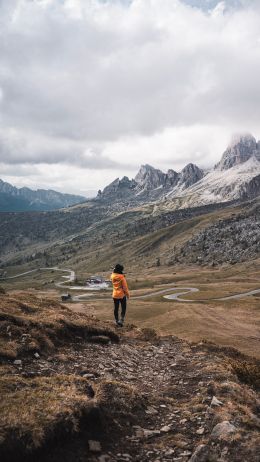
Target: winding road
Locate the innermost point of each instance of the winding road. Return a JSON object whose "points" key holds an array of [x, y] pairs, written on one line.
{"points": [[70, 277]]}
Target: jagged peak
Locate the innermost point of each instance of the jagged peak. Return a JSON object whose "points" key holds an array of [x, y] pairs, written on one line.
{"points": [[243, 138], [171, 172], [190, 167], [241, 148], [146, 169]]}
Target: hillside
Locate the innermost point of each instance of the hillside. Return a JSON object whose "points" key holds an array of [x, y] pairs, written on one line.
{"points": [[74, 388], [14, 199], [138, 236]]}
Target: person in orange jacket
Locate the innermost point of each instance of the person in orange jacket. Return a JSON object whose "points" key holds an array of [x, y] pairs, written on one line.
{"points": [[120, 293]]}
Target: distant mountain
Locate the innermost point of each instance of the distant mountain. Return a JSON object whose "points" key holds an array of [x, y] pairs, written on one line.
{"points": [[14, 199], [151, 184], [241, 149], [236, 176]]}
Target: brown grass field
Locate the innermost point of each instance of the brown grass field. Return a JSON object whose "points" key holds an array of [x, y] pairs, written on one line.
{"points": [[233, 323]]}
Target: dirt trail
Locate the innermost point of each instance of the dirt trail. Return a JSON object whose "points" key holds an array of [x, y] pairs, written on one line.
{"points": [[175, 380], [173, 296]]}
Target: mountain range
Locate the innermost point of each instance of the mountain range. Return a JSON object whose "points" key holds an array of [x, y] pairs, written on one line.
{"points": [[236, 176], [177, 216], [14, 199]]}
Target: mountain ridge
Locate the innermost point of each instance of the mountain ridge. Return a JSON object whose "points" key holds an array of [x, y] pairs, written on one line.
{"points": [[236, 172], [26, 199]]}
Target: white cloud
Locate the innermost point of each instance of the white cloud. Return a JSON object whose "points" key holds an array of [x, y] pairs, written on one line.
{"points": [[106, 86]]}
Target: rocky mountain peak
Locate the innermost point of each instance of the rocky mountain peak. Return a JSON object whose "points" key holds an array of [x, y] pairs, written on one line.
{"points": [[119, 188], [240, 150], [171, 178], [190, 174], [149, 177]]}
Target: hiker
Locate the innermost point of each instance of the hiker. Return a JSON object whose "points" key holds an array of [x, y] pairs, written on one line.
{"points": [[120, 293]]}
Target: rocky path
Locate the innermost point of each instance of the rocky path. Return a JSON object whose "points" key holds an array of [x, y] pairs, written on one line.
{"points": [[177, 382]]}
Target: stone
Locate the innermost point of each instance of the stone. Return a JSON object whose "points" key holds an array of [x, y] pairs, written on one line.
{"points": [[151, 411], [200, 454], [17, 362], [94, 446], [173, 365], [88, 376], [221, 430], [150, 433], [165, 429], [200, 431], [183, 421], [36, 355], [215, 402]]}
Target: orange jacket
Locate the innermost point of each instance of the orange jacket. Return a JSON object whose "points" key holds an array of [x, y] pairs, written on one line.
{"points": [[120, 288]]}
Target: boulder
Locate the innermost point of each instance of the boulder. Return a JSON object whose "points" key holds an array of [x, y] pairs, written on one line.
{"points": [[221, 430]]}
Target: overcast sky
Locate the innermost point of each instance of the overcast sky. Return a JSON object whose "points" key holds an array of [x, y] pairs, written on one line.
{"points": [[92, 89]]}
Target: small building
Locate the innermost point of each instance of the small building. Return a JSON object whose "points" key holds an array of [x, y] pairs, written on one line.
{"points": [[95, 280]]}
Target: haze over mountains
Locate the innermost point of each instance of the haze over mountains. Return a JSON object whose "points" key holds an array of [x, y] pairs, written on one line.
{"points": [[25, 199], [235, 176]]}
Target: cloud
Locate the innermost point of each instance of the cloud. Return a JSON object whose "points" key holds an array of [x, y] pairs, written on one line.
{"points": [[18, 148], [98, 85]]}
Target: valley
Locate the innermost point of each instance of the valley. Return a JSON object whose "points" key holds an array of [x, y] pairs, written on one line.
{"points": [[203, 315]]}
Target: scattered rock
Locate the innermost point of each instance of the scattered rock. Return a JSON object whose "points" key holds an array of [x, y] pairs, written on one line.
{"points": [[17, 362], [151, 411], [88, 376], [221, 430], [201, 454], [150, 433], [215, 402], [165, 429], [183, 421]]}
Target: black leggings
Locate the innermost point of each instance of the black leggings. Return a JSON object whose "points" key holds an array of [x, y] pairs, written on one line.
{"points": [[117, 302]]}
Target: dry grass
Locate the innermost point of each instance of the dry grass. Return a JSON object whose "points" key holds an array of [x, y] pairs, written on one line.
{"points": [[54, 407], [29, 325], [248, 371], [36, 411], [116, 398], [46, 405], [246, 368]]}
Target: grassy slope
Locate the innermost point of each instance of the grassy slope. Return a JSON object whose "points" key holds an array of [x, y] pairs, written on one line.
{"points": [[93, 234], [143, 251], [46, 410]]}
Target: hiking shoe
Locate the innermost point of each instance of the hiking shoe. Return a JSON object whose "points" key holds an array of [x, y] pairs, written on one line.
{"points": [[120, 324]]}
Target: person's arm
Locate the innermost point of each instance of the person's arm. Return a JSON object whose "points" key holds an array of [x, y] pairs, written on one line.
{"points": [[125, 287]]}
